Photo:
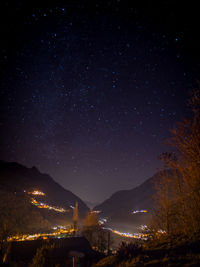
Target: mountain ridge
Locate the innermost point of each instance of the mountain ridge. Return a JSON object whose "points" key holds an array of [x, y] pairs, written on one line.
{"points": [[121, 204], [17, 177]]}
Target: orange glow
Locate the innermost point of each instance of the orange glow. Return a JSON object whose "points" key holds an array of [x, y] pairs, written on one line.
{"points": [[36, 193], [56, 233], [46, 206]]}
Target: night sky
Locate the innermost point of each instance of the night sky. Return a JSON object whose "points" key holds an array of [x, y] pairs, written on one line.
{"points": [[89, 91]]}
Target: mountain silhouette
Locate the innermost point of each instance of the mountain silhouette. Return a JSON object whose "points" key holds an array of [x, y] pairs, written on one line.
{"points": [[19, 181]]}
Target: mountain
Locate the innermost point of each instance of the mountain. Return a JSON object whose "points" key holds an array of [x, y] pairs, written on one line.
{"points": [[18, 182], [121, 205]]}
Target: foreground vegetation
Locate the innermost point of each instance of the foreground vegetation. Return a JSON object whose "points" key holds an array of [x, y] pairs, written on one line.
{"points": [[162, 252], [177, 204]]}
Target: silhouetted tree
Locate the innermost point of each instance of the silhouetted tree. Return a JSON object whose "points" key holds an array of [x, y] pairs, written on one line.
{"points": [[93, 231], [91, 227]]}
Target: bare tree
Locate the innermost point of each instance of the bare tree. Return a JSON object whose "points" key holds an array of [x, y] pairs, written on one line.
{"points": [[178, 190]]}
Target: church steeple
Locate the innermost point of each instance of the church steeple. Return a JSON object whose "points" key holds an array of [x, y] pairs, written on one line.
{"points": [[75, 216]]}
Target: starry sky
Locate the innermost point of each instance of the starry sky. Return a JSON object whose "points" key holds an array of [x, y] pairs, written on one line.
{"points": [[89, 90]]}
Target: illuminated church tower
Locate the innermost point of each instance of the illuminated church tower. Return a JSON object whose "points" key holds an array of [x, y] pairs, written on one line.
{"points": [[75, 216]]}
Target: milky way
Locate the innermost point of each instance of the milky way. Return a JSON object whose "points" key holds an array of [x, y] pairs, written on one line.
{"points": [[90, 91]]}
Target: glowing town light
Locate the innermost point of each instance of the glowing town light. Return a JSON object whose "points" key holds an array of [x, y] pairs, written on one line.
{"points": [[143, 227], [129, 235], [55, 234], [41, 205], [161, 231], [102, 221], [37, 193], [95, 211], [139, 211]]}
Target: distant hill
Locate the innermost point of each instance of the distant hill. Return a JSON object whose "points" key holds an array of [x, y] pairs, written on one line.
{"points": [[19, 181], [120, 206]]}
